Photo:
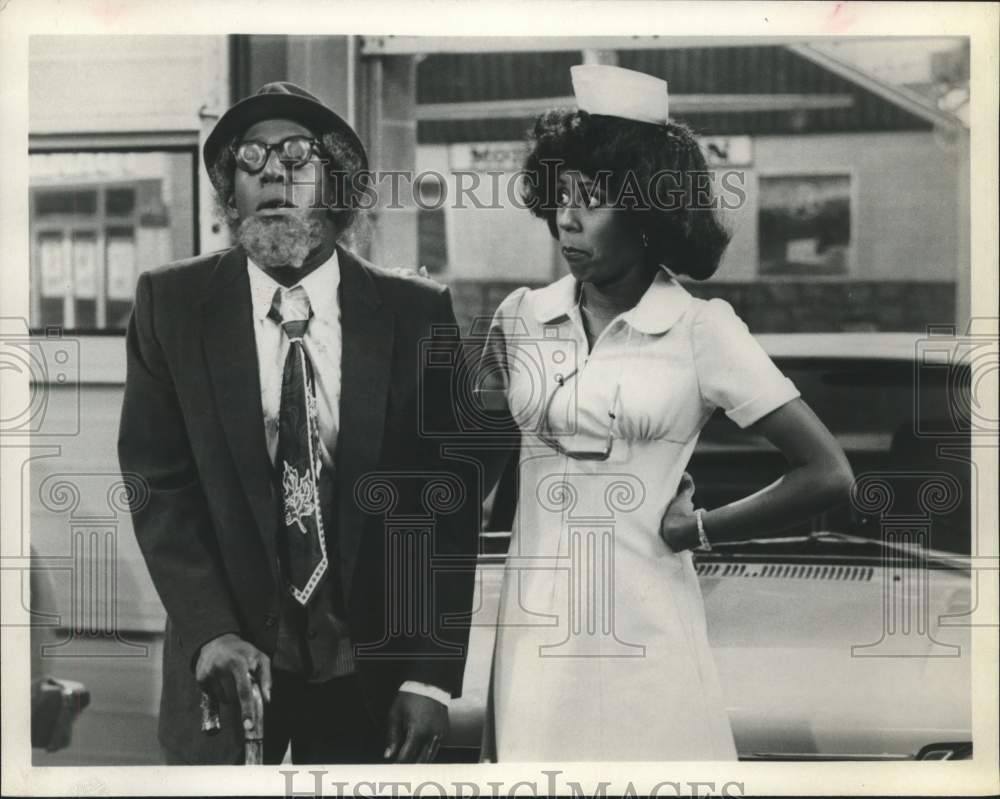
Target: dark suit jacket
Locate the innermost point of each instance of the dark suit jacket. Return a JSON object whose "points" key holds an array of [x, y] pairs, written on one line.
{"points": [[192, 429]]}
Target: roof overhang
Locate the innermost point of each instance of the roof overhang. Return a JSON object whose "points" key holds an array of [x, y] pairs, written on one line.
{"points": [[415, 45], [906, 99]]}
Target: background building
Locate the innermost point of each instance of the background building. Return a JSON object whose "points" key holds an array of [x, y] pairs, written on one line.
{"points": [[854, 165], [852, 221]]}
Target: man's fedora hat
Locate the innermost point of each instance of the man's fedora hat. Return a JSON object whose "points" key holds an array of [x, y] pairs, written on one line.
{"points": [[280, 100]]}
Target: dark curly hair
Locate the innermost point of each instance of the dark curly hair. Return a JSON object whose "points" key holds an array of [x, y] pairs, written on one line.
{"points": [[656, 173], [343, 166]]}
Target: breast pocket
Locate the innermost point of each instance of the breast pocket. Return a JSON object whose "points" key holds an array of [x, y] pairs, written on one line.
{"points": [[534, 369], [660, 401]]}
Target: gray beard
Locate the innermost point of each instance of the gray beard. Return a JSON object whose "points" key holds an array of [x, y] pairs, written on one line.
{"points": [[281, 239]]}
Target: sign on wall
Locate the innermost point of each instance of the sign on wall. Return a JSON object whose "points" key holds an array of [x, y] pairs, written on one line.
{"points": [[509, 156], [727, 150], [55, 280], [487, 156], [121, 268], [85, 267]]}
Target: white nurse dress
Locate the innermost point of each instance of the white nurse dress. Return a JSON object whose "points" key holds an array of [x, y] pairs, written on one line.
{"points": [[602, 652]]}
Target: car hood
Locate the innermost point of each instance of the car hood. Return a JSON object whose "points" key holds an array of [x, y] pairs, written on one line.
{"points": [[840, 660], [816, 658]]}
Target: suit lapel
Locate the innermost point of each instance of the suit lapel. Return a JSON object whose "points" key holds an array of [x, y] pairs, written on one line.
{"points": [[231, 351], [366, 363]]}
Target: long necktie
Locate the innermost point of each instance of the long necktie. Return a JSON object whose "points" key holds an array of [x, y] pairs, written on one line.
{"points": [[302, 544]]}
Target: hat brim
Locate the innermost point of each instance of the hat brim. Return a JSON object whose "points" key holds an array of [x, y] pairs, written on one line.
{"points": [[315, 116]]}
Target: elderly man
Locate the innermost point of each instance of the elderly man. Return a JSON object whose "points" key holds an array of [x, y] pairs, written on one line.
{"points": [[268, 386]]}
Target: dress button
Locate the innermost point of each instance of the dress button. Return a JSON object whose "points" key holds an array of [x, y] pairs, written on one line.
{"points": [[311, 634], [269, 620]]}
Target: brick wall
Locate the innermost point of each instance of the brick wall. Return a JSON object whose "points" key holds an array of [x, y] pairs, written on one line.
{"points": [[781, 306]]}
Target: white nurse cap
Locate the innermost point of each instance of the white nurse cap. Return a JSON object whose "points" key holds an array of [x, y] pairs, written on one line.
{"points": [[617, 92]]}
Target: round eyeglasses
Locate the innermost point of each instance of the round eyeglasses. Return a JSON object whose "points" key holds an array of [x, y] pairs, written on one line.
{"points": [[546, 436], [293, 152]]}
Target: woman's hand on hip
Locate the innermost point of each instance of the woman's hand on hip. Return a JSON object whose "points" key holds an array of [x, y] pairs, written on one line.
{"points": [[679, 528]]}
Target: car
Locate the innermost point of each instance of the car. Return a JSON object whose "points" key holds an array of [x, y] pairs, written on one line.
{"points": [[846, 638], [56, 703]]}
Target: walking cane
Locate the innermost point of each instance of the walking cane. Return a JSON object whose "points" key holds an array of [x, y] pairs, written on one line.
{"points": [[253, 738]]}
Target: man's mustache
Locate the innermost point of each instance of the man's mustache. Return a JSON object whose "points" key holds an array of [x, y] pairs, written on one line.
{"points": [[275, 203]]}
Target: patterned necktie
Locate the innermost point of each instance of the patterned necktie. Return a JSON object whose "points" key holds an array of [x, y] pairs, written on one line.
{"points": [[302, 545]]}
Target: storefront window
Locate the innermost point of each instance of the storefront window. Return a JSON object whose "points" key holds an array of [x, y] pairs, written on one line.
{"points": [[805, 225], [97, 220]]}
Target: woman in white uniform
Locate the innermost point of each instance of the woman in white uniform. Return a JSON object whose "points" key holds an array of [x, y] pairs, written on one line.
{"points": [[610, 374]]}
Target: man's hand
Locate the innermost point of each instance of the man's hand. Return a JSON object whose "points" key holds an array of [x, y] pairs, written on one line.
{"points": [[679, 529], [227, 667], [417, 725]]}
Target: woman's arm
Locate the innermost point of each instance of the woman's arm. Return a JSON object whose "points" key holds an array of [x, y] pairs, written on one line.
{"points": [[495, 453], [819, 478], [487, 389]]}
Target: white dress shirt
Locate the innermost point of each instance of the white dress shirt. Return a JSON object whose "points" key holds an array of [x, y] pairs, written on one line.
{"points": [[323, 343]]}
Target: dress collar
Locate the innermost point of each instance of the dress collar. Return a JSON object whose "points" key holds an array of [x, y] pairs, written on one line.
{"points": [[321, 285], [656, 312]]}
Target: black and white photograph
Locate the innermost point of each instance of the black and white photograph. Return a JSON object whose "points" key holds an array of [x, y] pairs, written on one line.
{"points": [[586, 398]]}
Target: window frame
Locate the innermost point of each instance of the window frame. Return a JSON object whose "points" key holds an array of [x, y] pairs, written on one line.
{"points": [[851, 271], [175, 142]]}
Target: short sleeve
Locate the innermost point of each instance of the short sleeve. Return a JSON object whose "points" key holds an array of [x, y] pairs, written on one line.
{"points": [[493, 376], [734, 372]]}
